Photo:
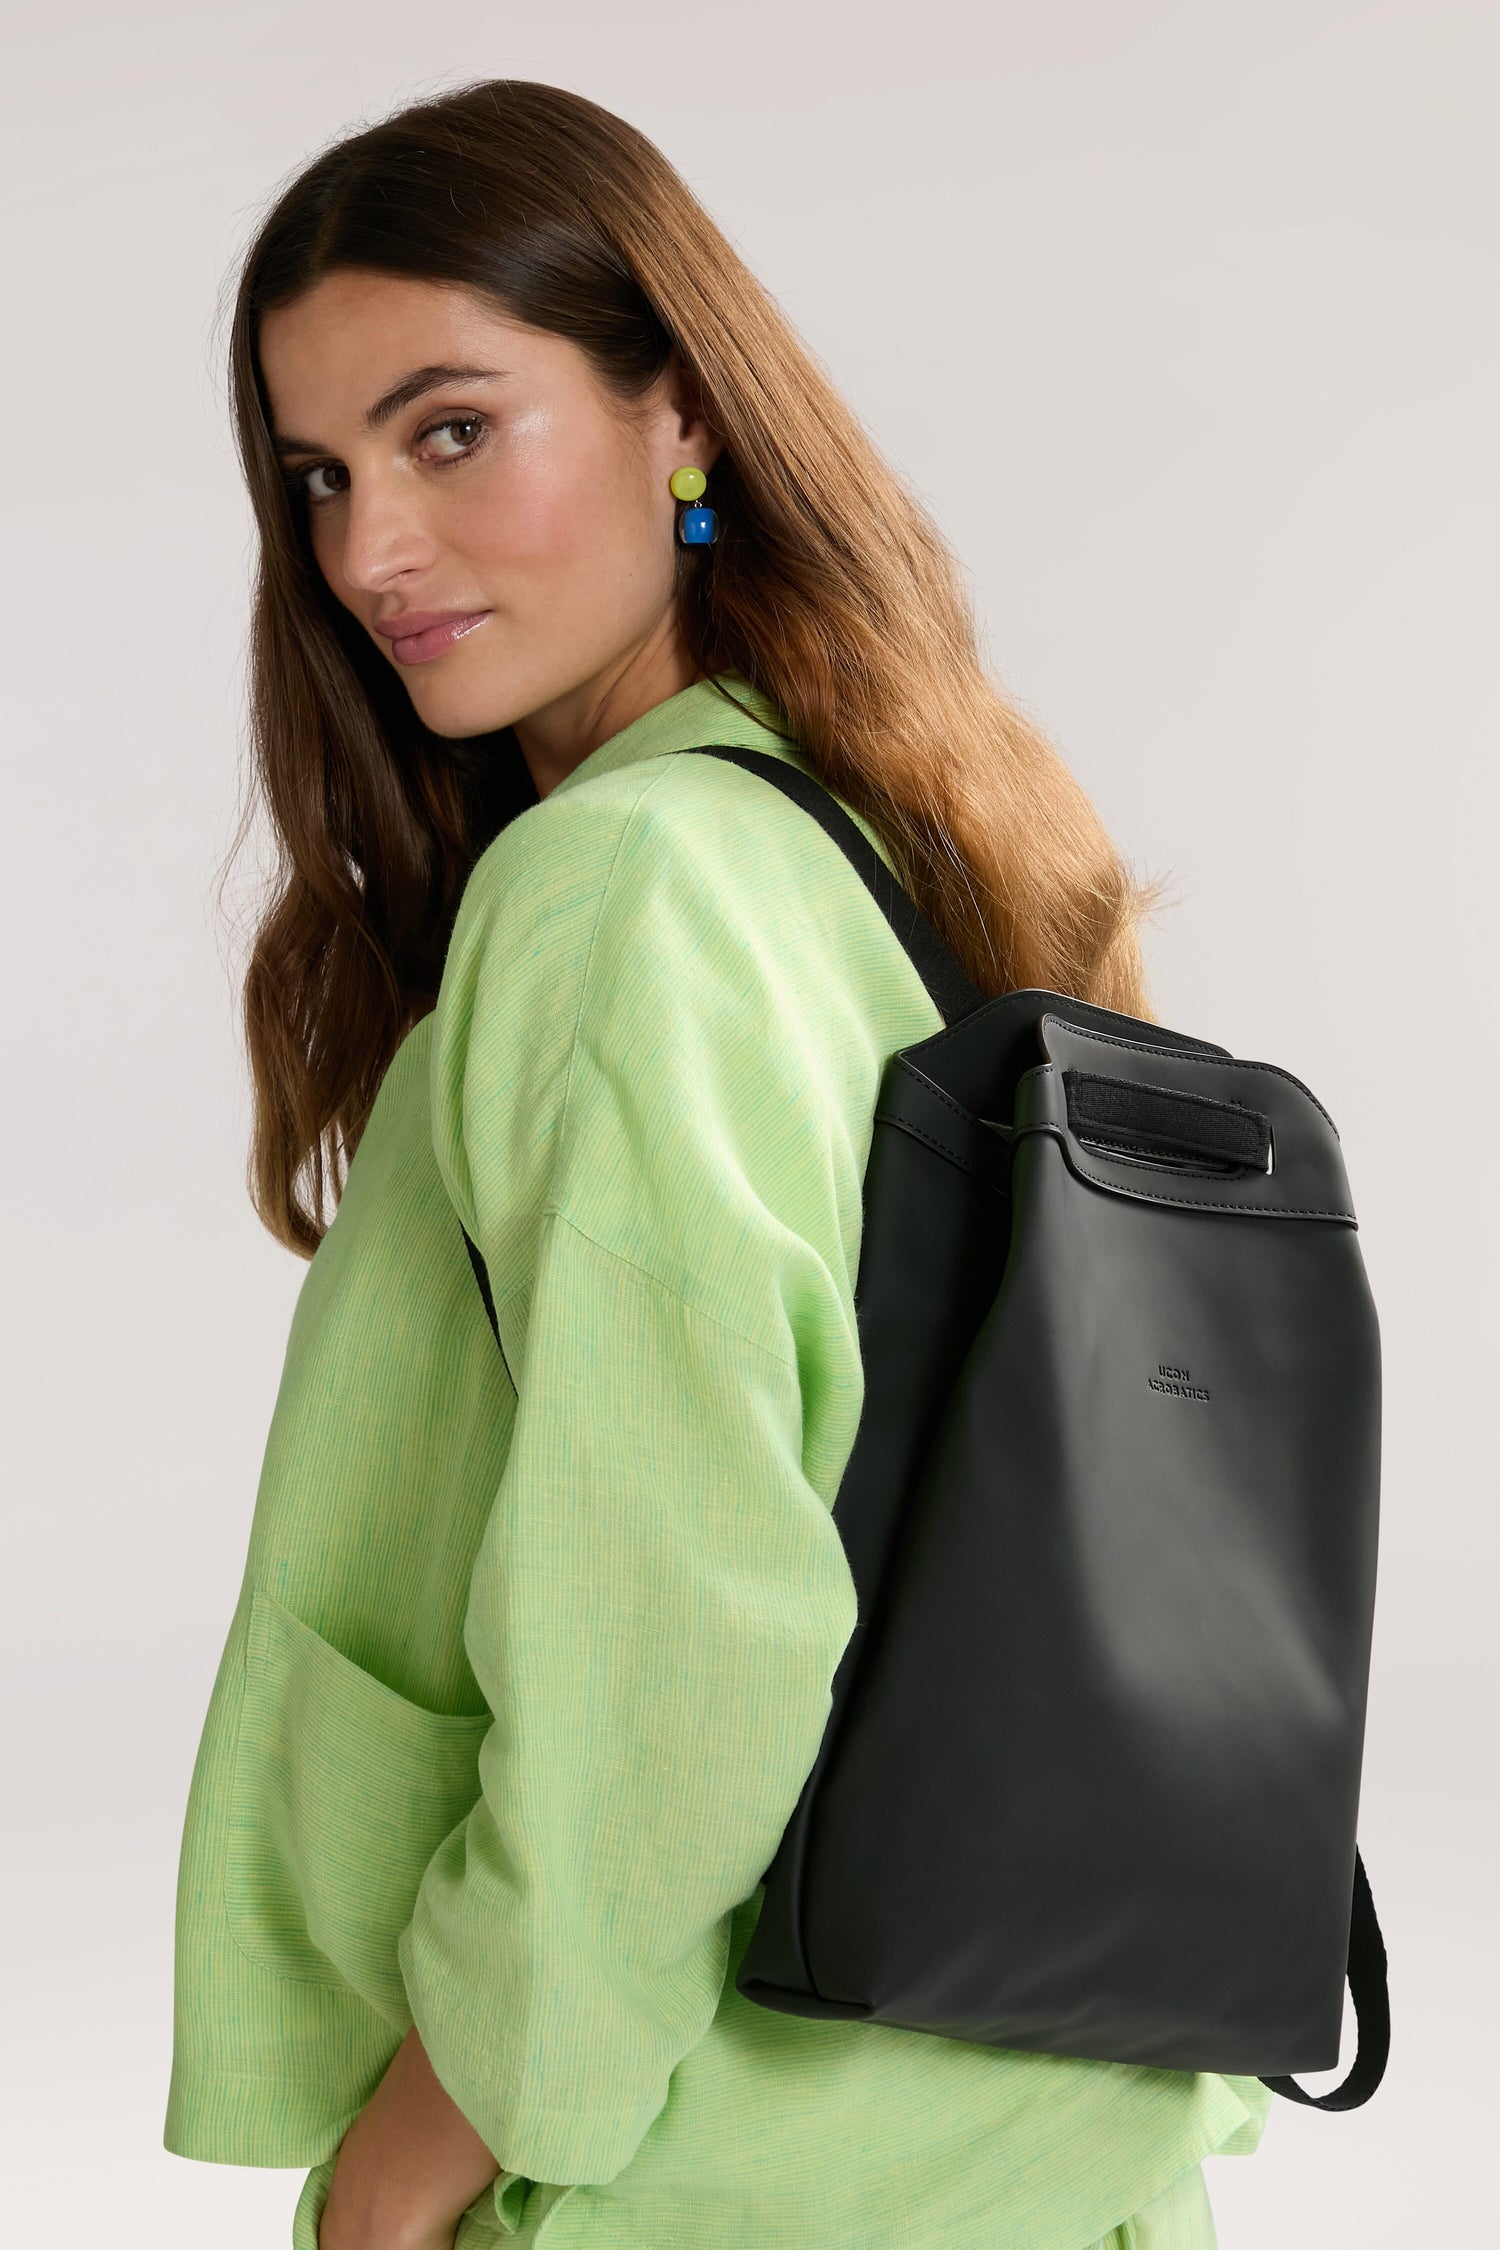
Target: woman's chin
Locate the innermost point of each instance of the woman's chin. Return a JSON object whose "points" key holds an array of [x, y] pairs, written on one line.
{"points": [[458, 711]]}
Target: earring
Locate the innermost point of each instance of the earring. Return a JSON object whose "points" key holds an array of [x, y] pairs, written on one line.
{"points": [[699, 527]]}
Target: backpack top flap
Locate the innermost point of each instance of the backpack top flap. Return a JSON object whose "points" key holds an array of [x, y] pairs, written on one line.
{"points": [[980, 1056], [1187, 1128]]}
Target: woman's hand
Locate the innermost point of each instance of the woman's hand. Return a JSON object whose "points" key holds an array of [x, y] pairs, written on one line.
{"points": [[408, 2167], [342, 2234]]}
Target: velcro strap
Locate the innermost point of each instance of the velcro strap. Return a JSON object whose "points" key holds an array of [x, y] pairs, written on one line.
{"points": [[1147, 1121]]}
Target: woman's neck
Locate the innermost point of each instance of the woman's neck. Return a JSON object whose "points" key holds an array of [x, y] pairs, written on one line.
{"points": [[562, 733]]}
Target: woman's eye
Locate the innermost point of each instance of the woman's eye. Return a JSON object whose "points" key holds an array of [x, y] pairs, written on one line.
{"points": [[322, 470], [457, 436], [449, 440]]}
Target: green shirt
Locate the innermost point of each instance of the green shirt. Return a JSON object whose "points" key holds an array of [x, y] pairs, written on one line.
{"points": [[520, 1692]]}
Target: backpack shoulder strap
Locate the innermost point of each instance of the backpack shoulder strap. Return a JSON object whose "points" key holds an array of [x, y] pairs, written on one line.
{"points": [[952, 991], [1369, 1991]]}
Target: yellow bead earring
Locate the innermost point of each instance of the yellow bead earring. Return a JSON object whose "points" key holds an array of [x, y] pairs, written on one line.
{"points": [[699, 526]]}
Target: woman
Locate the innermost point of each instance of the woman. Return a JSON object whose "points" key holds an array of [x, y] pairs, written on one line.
{"points": [[534, 1647]]}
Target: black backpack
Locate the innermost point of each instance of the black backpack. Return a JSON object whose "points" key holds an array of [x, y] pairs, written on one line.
{"points": [[1089, 1779]]}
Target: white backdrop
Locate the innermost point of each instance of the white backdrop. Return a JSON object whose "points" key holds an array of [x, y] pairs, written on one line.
{"points": [[1183, 314]]}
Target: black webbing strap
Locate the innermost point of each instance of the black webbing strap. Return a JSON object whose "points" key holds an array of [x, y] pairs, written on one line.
{"points": [[1146, 1121], [1370, 1993], [481, 1275], [952, 991]]}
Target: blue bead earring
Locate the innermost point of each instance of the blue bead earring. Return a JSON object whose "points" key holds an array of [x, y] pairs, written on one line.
{"points": [[699, 527]]}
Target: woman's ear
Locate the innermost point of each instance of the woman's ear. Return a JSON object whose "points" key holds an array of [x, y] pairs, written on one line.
{"points": [[690, 431]]}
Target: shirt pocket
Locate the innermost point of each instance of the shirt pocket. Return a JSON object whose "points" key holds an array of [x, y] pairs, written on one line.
{"points": [[342, 1792]]}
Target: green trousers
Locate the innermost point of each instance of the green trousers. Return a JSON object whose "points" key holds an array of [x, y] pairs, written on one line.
{"points": [[1177, 2219]]}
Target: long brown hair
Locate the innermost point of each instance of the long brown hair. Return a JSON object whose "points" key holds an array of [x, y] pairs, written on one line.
{"points": [[829, 589]]}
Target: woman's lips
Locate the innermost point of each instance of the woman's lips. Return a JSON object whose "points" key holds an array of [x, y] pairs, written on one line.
{"points": [[427, 633]]}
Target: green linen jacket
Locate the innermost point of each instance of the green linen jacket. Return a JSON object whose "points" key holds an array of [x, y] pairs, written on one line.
{"points": [[533, 1653]]}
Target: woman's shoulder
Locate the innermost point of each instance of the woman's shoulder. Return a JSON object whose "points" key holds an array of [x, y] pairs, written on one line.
{"points": [[675, 953], [682, 892], [659, 854]]}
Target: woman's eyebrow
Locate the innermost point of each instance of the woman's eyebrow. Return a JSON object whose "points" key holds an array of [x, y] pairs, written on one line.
{"points": [[411, 387]]}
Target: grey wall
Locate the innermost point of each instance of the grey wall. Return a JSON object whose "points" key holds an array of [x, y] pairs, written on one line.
{"points": [[1184, 318]]}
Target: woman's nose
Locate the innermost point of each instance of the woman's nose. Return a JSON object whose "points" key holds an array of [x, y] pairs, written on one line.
{"points": [[384, 535]]}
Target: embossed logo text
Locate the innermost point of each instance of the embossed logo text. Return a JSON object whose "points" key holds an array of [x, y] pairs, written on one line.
{"points": [[1176, 1382]]}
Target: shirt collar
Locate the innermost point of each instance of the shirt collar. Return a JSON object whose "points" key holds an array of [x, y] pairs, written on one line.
{"points": [[695, 715]]}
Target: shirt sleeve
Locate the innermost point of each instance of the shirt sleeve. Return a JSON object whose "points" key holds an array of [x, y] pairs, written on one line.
{"points": [[667, 1192]]}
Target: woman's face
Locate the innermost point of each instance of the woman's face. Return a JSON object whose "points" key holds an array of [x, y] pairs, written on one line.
{"points": [[501, 526]]}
